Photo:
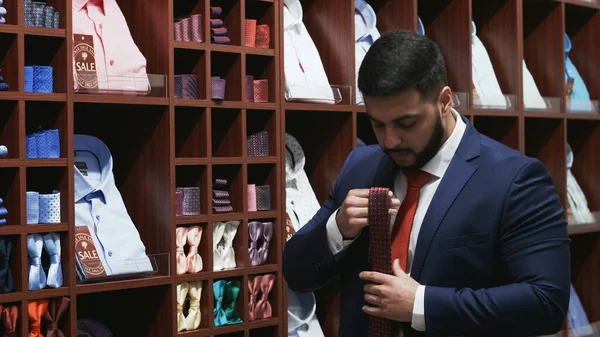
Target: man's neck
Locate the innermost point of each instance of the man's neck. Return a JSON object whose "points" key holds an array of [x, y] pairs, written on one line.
{"points": [[450, 123]]}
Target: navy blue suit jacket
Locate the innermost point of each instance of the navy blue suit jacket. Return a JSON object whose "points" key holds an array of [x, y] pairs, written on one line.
{"points": [[493, 250]]}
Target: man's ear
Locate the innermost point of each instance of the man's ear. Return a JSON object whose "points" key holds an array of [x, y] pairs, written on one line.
{"points": [[445, 100]]}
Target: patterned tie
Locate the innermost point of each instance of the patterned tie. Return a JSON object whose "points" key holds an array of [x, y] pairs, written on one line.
{"points": [[250, 33], [406, 215], [379, 249]]}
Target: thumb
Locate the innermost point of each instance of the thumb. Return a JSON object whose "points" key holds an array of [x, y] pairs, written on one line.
{"points": [[396, 269]]}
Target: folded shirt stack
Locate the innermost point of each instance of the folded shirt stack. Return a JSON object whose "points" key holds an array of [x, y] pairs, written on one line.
{"points": [[221, 202], [3, 213], [218, 33], [43, 144]]}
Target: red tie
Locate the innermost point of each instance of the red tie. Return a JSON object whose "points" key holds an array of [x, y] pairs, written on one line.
{"points": [[379, 249], [406, 215]]}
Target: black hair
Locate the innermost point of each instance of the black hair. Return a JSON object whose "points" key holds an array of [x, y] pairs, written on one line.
{"points": [[400, 61]]}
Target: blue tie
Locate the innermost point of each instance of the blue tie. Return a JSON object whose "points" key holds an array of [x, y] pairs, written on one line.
{"points": [[37, 276], [52, 246]]}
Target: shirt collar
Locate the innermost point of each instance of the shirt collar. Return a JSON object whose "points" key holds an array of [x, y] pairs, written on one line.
{"points": [[293, 15], [79, 4], [94, 145], [365, 21], [438, 165]]}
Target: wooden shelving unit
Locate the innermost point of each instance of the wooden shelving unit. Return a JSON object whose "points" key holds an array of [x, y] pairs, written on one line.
{"points": [[157, 144], [512, 31]]}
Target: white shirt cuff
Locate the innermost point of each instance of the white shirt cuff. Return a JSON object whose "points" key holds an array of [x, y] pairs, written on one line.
{"points": [[418, 315], [335, 240]]}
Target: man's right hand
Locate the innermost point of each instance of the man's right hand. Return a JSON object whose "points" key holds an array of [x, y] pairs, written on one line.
{"points": [[353, 216]]}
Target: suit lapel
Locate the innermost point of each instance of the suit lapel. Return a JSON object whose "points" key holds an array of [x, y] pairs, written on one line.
{"points": [[456, 177]]}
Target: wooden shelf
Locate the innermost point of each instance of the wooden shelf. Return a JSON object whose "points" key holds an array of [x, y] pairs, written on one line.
{"points": [[37, 31], [122, 285]]}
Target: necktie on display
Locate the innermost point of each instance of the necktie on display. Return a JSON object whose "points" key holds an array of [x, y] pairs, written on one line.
{"points": [[186, 86], [220, 194], [219, 31], [221, 202], [182, 291], [10, 316], [28, 77], [223, 209], [379, 253], [261, 91], [263, 250], [406, 214], [194, 260], [220, 183], [263, 308], [33, 208], [42, 79], [255, 233], [37, 275], [251, 194], [43, 144], [250, 33], [225, 298], [223, 252], [52, 246], [56, 310], [263, 36], [194, 316], [36, 310], [254, 290], [178, 202], [196, 25], [217, 86], [186, 29], [180, 240], [249, 88], [7, 282], [263, 198], [258, 144], [214, 23], [191, 201], [215, 11], [220, 39], [49, 206]]}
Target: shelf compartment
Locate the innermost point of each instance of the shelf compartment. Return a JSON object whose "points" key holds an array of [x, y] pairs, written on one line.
{"points": [[191, 132], [325, 147], [156, 303], [47, 51], [262, 121], [15, 265], [260, 68], [264, 328], [545, 140], [195, 176], [584, 138], [9, 59], [264, 177], [65, 261], [137, 137], [222, 246], [452, 36], [41, 116], [240, 304], [582, 25], [204, 249], [227, 66], [45, 180], [10, 182], [60, 7], [232, 19], [234, 176], [9, 128], [496, 28], [184, 9], [503, 129], [544, 54], [584, 272], [205, 307], [264, 14], [63, 324], [12, 14], [226, 130], [272, 257], [191, 62]]}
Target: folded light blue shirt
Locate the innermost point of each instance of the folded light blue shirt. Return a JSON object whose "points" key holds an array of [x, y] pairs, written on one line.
{"points": [[580, 97]]}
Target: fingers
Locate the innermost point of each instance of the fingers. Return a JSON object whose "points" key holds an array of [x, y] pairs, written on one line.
{"points": [[375, 277], [373, 289], [373, 299], [373, 311], [360, 192]]}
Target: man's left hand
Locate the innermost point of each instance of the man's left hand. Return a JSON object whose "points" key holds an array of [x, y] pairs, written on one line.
{"points": [[390, 296]]}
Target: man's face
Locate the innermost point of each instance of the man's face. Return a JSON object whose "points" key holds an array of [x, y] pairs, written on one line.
{"points": [[410, 130]]}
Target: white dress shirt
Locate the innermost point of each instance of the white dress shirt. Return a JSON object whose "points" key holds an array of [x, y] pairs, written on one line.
{"points": [[365, 33], [437, 167], [531, 95], [485, 82], [99, 206], [305, 77]]}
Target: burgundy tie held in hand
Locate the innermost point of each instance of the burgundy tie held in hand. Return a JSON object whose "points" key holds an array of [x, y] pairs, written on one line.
{"points": [[380, 251]]}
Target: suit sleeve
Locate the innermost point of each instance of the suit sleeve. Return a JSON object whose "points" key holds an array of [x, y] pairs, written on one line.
{"points": [[308, 263], [535, 267]]}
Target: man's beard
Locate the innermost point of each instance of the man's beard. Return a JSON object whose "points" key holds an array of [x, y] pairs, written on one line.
{"points": [[431, 148]]}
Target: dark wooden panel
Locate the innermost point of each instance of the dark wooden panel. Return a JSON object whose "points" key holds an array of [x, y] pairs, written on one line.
{"points": [[48, 51], [503, 129], [395, 14], [10, 192], [9, 60], [195, 176], [585, 272], [262, 67], [191, 132], [447, 22], [45, 116], [364, 129], [190, 61], [331, 27], [229, 67], [44, 180], [545, 139], [497, 29], [543, 45], [226, 130], [9, 127], [263, 120]]}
